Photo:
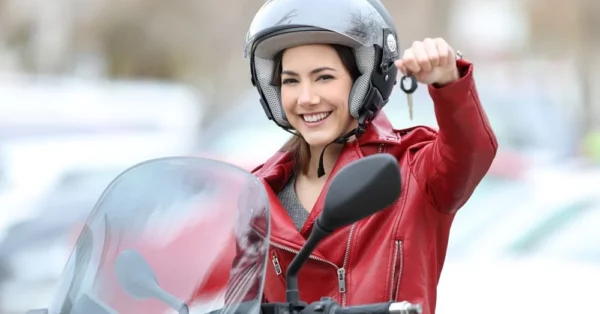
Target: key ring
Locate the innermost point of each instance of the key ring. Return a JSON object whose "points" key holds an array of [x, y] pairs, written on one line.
{"points": [[413, 84]]}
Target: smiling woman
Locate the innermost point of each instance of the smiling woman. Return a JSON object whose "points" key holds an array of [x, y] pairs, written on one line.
{"points": [[332, 72], [331, 97]]}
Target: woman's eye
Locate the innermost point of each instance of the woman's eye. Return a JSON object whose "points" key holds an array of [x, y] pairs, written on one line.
{"points": [[289, 81], [325, 78]]}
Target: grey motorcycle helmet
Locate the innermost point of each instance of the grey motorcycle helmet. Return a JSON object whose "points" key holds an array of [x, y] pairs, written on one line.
{"points": [[363, 25]]}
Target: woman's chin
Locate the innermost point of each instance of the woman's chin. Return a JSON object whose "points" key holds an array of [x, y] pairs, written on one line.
{"points": [[319, 140]]}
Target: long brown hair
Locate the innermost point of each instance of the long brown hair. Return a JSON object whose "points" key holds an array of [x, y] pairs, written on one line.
{"points": [[297, 145]]}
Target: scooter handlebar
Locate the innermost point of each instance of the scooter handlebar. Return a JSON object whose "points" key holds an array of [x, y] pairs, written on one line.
{"points": [[327, 306], [382, 308]]}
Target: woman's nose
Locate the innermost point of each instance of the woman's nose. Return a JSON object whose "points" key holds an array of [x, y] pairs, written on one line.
{"points": [[308, 96]]}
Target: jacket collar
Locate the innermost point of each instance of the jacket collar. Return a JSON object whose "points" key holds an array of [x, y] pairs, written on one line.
{"points": [[379, 131]]}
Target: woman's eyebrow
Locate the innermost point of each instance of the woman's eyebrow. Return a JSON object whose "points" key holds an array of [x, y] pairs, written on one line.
{"points": [[313, 72]]}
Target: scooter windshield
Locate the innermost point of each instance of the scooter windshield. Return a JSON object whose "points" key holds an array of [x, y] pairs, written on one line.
{"points": [[171, 235]]}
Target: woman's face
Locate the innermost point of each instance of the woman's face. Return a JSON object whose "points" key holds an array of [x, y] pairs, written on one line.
{"points": [[315, 87]]}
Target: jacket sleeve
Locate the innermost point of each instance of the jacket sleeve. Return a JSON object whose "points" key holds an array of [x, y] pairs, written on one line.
{"points": [[450, 167]]}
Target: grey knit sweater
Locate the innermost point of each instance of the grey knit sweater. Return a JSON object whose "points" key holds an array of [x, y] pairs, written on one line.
{"points": [[289, 200]]}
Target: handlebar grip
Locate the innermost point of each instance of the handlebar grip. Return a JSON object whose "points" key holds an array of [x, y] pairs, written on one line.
{"points": [[382, 308], [377, 308]]}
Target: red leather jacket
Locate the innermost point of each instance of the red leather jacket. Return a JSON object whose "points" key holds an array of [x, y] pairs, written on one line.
{"points": [[396, 254]]}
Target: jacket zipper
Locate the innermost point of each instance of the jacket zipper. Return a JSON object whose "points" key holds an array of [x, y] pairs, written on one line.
{"points": [[276, 265], [340, 272], [380, 148], [395, 284]]}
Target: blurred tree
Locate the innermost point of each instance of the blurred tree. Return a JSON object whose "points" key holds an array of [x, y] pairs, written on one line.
{"points": [[416, 20], [591, 146], [554, 27], [194, 42], [589, 61], [570, 28], [15, 37]]}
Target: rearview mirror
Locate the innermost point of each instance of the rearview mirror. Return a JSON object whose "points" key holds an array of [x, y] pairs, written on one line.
{"points": [[361, 189]]}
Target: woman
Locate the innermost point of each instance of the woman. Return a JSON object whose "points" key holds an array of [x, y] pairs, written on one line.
{"points": [[324, 69]]}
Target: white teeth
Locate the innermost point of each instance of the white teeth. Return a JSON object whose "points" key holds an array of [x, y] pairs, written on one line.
{"points": [[315, 117]]}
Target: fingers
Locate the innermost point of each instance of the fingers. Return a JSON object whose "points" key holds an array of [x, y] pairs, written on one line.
{"points": [[445, 52], [432, 54], [425, 56], [421, 57]]}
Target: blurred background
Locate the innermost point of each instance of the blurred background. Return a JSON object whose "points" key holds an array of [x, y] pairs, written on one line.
{"points": [[91, 87]]}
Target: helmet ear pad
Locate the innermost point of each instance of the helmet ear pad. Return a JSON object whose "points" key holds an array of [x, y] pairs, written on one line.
{"points": [[380, 84], [385, 74], [263, 63]]}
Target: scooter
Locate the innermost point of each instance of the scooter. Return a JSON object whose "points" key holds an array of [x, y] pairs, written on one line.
{"points": [[362, 188]]}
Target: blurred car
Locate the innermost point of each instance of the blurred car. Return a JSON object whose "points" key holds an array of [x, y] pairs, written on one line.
{"points": [[62, 118], [554, 267], [35, 163], [48, 237], [541, 256], [514, 223], [68, 174], [54, 104], [518, 285], [571, 234]]}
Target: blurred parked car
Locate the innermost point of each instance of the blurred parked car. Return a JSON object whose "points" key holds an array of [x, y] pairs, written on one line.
{"points": [[572, 234], [518, 285], [46, 121], [516, 224], [554, 267], [33, 103], [48, 237], [35, 163], [537, 253], [55, 182]]}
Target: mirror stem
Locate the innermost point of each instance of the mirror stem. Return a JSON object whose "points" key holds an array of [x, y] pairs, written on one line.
{"points": [[291, 276]]}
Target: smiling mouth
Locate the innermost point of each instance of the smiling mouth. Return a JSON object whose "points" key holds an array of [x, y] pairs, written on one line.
{"points": [[315, 117]]}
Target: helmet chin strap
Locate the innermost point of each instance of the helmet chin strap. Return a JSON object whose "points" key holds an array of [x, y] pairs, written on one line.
{"points": [[340, 140], [363, 121]]}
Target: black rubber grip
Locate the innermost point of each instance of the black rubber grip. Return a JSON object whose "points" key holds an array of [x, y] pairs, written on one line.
{"points": [[377, 308]]}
